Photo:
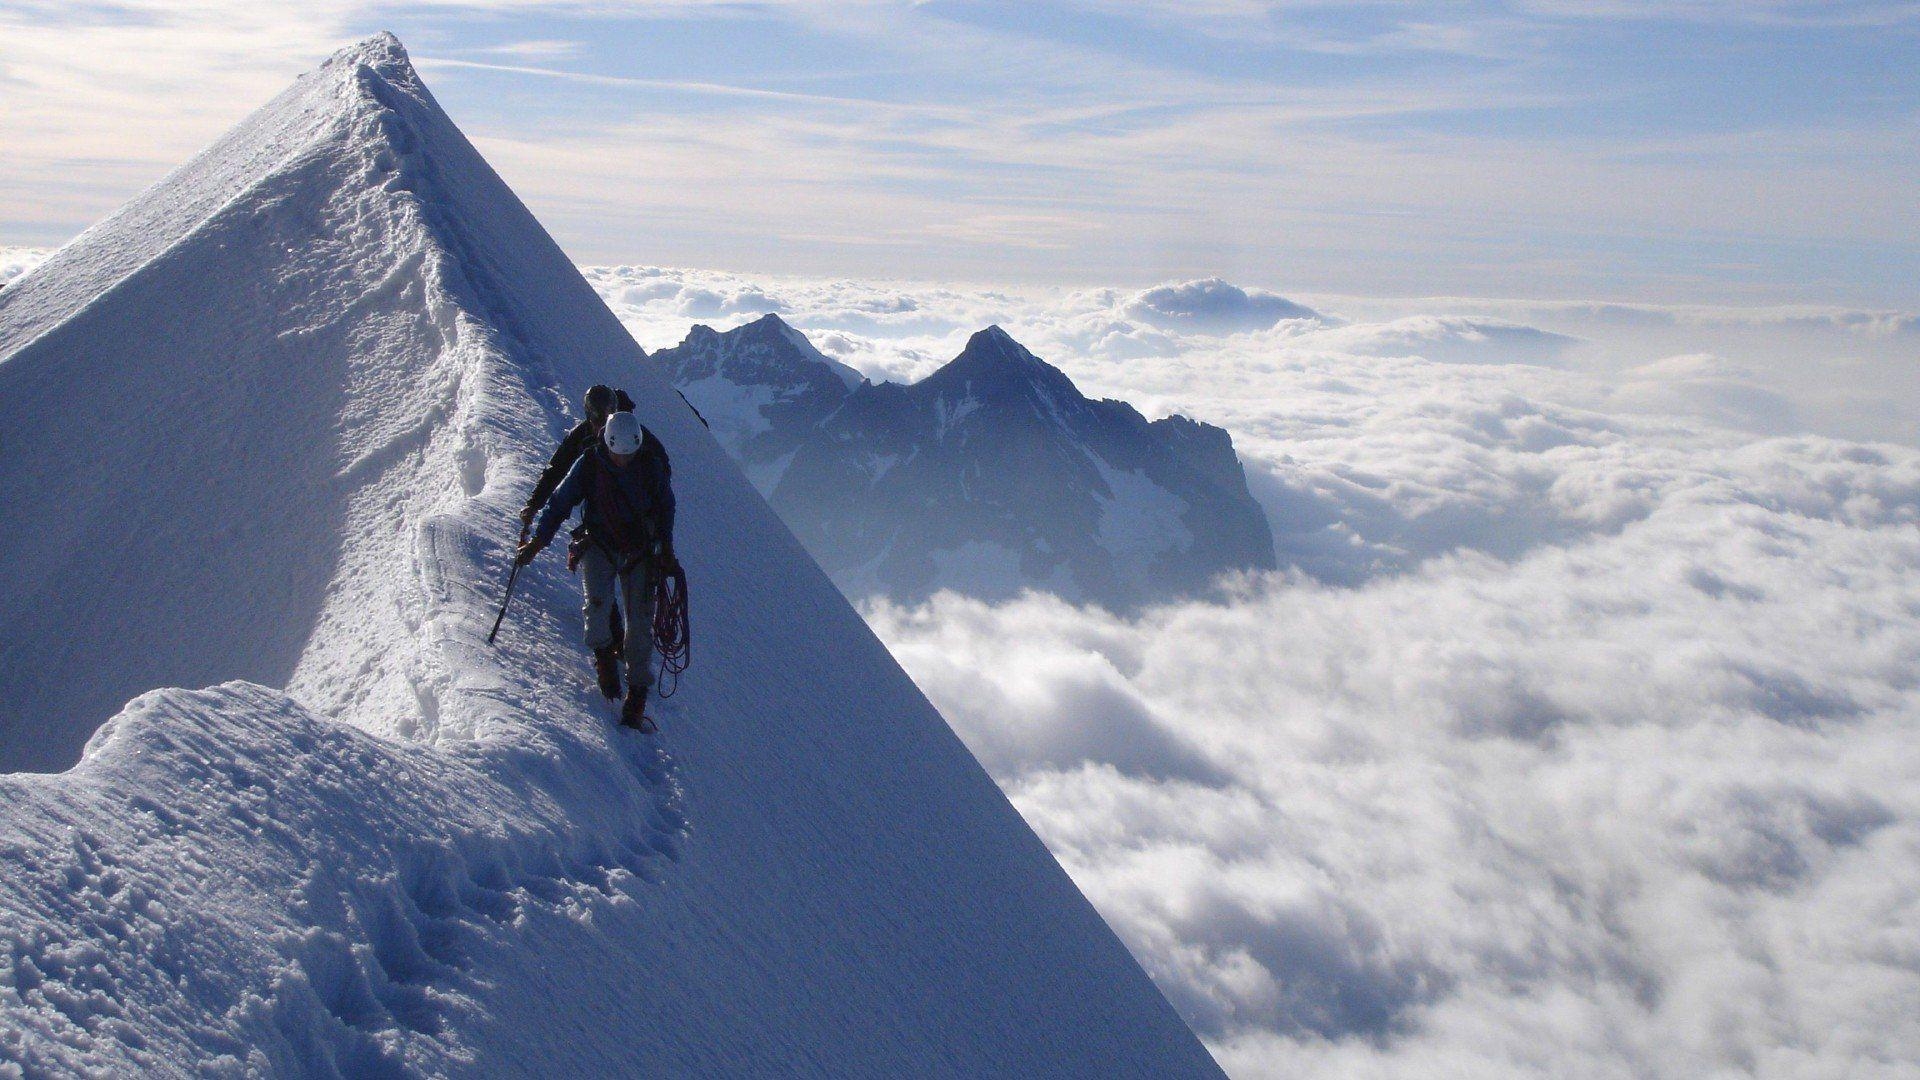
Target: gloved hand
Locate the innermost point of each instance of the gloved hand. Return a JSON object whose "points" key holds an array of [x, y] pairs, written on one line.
{"points": [[528, 550]]}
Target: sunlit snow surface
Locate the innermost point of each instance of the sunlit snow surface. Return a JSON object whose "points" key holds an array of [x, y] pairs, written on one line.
{"points": [[267, 427], [1578, 736]]}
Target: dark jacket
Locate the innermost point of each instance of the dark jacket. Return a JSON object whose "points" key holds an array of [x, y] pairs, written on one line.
{"points": [[582, 436], [628, 511]]}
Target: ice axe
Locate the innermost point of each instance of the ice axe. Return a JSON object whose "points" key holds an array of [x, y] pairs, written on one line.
{"points": [[511, 575]]}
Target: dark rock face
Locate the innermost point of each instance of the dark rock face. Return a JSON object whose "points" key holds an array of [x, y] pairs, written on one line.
{"points": [[991, 475]]}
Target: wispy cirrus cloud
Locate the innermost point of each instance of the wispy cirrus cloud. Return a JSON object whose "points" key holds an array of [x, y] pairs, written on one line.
{"points": [[535, 51]]}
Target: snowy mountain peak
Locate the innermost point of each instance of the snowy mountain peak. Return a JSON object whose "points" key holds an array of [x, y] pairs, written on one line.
{"points": [[774, 327], [766, 328], [333, 104], [768, 346], [996, 343], [382, 50], [381, 57], [316, 370]]}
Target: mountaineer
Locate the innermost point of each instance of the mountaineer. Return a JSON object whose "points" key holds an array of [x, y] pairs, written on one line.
{"points": [[625, 481], [601, 402]]}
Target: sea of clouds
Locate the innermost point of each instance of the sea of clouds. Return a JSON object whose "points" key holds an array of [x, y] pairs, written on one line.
{"points": [[1580, 733]]}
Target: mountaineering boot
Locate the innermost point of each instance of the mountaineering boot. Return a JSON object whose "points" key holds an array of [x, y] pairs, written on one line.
{"points": [[634, 712], [606, 668]]}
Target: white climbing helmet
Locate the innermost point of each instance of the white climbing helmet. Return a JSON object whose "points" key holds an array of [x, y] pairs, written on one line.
{"points": [[622, 433]]}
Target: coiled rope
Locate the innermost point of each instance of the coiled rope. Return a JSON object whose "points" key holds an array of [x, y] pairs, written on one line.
{"points": [[672, 629]]}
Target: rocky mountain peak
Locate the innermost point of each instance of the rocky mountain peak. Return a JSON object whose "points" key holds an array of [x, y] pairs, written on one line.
{"points": [[994, 365]]}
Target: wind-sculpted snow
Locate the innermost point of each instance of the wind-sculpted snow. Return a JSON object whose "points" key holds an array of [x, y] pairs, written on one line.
{"points": [[276, 439], [232, 883]]}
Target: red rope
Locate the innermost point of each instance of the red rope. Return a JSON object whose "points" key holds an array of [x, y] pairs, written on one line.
{"points": [[672, 629]]}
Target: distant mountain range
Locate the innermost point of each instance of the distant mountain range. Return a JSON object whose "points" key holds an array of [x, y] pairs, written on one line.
{"points": [[991, 475]]}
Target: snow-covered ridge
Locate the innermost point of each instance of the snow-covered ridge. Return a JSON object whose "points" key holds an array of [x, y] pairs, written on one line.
{"points": [[332, 351]]}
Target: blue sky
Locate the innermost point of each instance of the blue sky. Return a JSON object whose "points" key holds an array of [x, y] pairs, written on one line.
{"points": [[1698, 150]]}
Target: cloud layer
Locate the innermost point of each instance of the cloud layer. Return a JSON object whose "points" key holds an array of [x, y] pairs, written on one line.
{"points": [[1213, 306], [1575, 739], [1638, 804]]}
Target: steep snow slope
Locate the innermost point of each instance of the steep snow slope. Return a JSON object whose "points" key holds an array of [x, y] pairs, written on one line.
{"points": [[265, 428]]}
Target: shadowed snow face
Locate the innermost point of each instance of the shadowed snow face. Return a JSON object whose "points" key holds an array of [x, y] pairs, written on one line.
{"points": [[1575, 740]]}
